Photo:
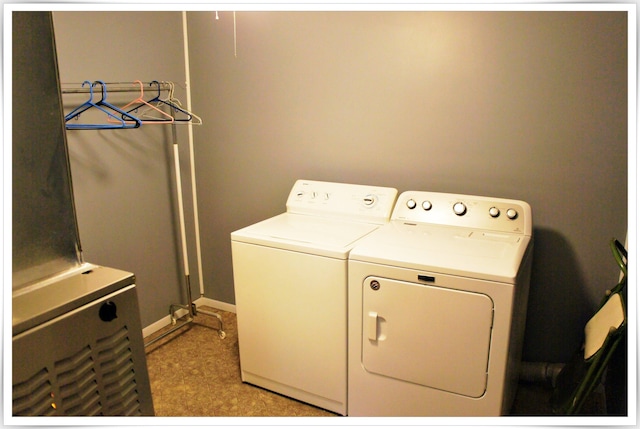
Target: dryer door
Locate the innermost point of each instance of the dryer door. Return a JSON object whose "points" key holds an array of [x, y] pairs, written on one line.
{"points": [[432, 336]]}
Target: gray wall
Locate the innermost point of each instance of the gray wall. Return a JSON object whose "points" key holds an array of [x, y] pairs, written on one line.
{"points": [[123, 179], [517, 105]]}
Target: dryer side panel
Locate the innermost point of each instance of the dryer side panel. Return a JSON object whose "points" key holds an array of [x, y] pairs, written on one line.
{"points": [[427, 335]]}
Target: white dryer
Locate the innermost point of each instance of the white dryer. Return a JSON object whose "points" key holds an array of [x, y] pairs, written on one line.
{"points": [[437, 307], [290, 278]]}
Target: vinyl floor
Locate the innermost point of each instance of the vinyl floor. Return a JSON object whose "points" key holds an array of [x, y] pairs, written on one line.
{"points": [[193, 372]]}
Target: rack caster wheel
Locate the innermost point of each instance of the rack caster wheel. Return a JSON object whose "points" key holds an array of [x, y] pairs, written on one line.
{"points": [[222, 335]]}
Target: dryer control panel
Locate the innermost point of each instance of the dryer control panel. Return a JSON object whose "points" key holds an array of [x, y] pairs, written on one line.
{"points": [[361, 203], [486, 213]]}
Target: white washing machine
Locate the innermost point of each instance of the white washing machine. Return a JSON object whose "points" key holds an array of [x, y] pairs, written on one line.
{"points": [[290, 278], [437, 307]]}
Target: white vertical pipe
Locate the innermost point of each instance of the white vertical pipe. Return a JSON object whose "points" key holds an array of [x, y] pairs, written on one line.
{"points": [[187, 73], [183, 235]]}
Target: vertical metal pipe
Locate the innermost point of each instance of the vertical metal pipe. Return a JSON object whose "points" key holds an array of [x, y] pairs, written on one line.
{"points": [[192, 163]]}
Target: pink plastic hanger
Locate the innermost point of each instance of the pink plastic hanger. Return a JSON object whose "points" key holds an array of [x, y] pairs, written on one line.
{"points": [[139, 102]]}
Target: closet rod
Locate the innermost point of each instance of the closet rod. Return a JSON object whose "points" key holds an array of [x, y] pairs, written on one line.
{"points": [[77, 88]]}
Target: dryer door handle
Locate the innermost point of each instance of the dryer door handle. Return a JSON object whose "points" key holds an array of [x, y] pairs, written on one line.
{"points": [[372, 326]]}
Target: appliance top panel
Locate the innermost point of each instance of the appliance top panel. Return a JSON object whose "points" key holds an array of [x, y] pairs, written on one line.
{"points": [[310, 234], [362, 203], [46, 300], [442, 249], [477, 212]]}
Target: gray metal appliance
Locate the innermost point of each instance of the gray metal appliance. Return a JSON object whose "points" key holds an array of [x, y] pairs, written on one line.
{"points": [[77, 346]]}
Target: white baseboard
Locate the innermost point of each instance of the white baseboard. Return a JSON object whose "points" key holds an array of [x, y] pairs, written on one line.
{"points": [[165, 321], [224, 306]]}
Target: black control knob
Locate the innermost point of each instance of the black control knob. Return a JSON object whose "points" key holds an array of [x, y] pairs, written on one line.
{"points": [[108, 311]]}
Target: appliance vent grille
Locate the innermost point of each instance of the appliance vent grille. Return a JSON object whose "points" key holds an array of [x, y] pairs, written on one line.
{"points": [[33, 396], [118, 376], [77, 385], [98, 380]]}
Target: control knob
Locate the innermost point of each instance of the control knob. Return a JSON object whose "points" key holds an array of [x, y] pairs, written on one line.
{"points": [[512, 213], [411, 204], [108, 311], [426, 205], [494, 212], [459, 208]]}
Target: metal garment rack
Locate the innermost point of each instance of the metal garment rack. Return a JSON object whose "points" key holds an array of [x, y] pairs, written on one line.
{"points": [[190, 307], [77, 88]]}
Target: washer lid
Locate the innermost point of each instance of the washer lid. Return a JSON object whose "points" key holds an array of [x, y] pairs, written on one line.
{"points": [[448, 250], [304, 233]]}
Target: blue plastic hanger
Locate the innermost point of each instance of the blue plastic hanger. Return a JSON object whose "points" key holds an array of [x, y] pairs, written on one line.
{"points": [[103, 106]]}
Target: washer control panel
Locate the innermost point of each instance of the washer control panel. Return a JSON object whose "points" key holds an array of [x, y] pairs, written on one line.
{"points": [[351, 201], [493, 214]]}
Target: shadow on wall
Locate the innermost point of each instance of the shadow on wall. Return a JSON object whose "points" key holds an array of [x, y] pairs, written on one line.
{"points": [[558, 304]]}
